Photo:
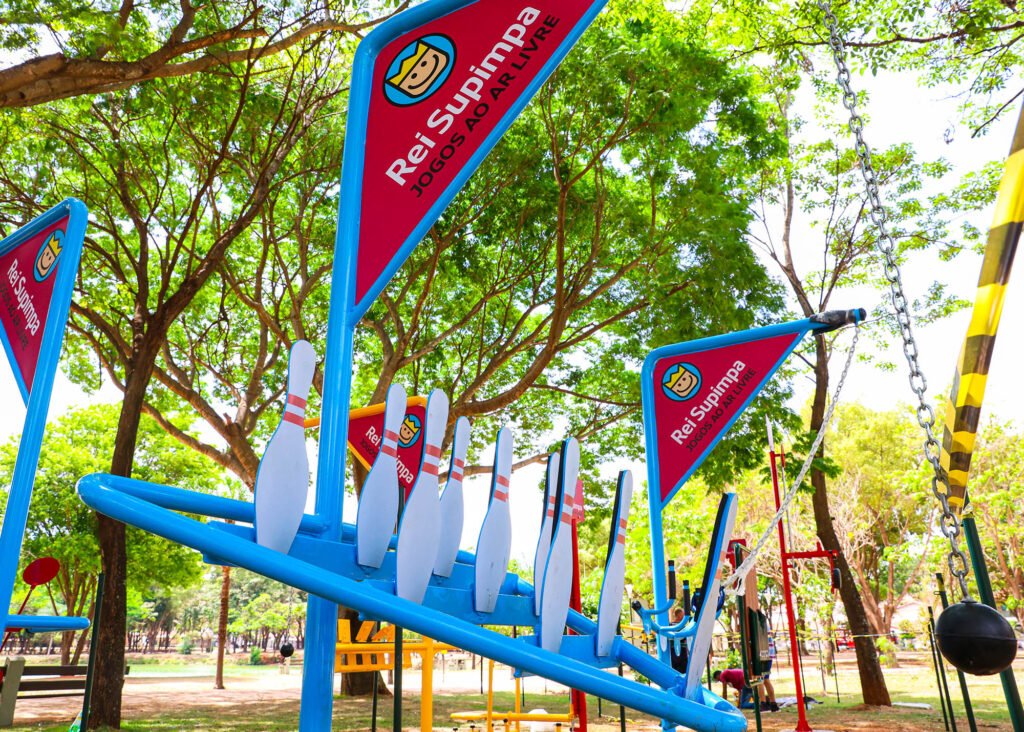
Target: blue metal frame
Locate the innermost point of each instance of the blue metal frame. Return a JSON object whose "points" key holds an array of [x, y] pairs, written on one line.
{"points": [[314, 566], [38, 402], [345, 313], [798, 329]]}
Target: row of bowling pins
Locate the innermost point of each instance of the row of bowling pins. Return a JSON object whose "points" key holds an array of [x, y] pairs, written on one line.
{"points": [[553, 561], [431, 525]]}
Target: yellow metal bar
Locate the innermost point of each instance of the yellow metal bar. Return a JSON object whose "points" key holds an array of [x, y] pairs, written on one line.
{"points": [[490, 695], [517, 707], [964, 409], [427, 686], [512, 717]]}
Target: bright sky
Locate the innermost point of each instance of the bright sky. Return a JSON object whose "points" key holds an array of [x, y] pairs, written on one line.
{"points": [[898, 111]]}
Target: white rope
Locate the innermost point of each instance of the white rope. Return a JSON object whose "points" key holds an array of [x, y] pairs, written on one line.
{"points": [[734, 584]]}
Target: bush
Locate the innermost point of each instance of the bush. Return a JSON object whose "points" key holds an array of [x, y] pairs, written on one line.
{"points": [[255, 656], [186, 646], [886, 652]]}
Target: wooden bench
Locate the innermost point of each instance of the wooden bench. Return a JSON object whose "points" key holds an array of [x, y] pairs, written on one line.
{"points": [[43, 682]]}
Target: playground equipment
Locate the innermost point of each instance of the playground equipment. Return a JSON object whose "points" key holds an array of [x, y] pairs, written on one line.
{"points": [[754, 654], [38, 572], [515, 718], [777, 464], [375, 650], [38, 264], [973, 636], [692, 394]]}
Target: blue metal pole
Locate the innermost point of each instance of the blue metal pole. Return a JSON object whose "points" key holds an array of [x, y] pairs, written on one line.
{"points": [[321, 614], [25, 464]]}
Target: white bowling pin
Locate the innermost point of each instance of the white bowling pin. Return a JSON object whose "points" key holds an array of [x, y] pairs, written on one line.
{"points": [[452, 507], [378, 501], [557, 588], [282, 479], [419, 531], [547, 523], [495, 541], [614, 583]]}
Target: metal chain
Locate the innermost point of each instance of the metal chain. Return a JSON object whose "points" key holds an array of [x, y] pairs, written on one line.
{"points": [[733, 585], [950, 523]]}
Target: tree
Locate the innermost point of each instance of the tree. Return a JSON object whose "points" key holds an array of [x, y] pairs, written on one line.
{"points": [[60, 525], [973, 48], [882, 507], [820, 182], [174, 174], [554, 256], [104, 49]]}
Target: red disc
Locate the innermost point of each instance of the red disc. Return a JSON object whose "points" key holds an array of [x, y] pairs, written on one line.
{"points": [[40, 571]]}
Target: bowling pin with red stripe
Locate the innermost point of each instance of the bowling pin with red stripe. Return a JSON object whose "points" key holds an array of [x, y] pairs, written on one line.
{"points": [[495, 541], [614, 584], [547, 523], [378, 501], [282, 479], [452, 509], [557, 587], [419, 531]]}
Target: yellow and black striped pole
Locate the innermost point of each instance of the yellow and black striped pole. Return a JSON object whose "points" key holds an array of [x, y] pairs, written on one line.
{"points": [[965, 399]]}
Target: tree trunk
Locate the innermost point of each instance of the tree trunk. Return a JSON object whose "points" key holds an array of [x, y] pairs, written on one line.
{"points": [[222, 626], [67, 639], [110, 638], [113, 613], [872, 682]]}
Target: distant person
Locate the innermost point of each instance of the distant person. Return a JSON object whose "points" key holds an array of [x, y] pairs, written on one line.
{"points": [[679, 658], [769, 689], [734, 677]]}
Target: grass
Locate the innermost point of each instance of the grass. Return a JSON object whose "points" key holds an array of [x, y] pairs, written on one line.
{"points": [[913, 681]]}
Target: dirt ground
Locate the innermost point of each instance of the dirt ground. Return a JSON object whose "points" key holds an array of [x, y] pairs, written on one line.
{"points": [[268, 694]]}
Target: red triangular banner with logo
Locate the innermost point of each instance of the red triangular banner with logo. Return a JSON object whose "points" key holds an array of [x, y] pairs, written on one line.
{"points": [[366, 426], [698, 395], [27, 275]]}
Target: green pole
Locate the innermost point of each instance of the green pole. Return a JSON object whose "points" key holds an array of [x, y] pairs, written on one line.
{"points": [[746, 651], [93, 646], [985, 592], [947, 697], [936, 662], [968, 708]]}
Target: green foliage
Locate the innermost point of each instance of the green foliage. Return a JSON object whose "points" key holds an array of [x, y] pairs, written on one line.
{"points": [[972, 49], [255, 656], [186, 645], [60, 525], [65, 49], [886, 652], [263, 610]]}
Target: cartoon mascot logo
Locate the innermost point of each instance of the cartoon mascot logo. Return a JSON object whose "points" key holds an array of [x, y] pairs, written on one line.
{"points": [[409, 432], [681, 382], [419, 70], [47, 257]]}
